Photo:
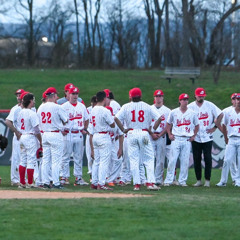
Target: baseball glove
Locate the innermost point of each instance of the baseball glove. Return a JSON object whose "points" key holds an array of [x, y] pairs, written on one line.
{"points": [[3, 142], [39, 153]]}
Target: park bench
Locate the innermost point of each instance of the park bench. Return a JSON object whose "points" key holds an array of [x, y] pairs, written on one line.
{"points": [[181, 72]]}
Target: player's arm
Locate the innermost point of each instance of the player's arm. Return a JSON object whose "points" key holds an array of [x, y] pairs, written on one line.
{"points": [[169, 131], [195, 131], [224, 131], [156, 124], [120, 150], [13, 129], [91, 146], [119, 124]]}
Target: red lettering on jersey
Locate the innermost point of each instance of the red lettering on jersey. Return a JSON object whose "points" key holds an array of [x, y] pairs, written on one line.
{"points": [[184, 122], [46, 117], [203, 116], [234, 123], [22, 126], [94, 121]]}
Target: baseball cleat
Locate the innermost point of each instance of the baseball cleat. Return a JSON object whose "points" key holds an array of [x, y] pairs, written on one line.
{"points": [[152, 186], [15, 184], [57, 186], [121, 183], [220, 184], [136, 187], [166, 184], [111, 184], [22, 186], [183, 185], [175, 183], [207, 183], [80, 182], [93, 186], [46, 186], [30, 185], [198, 184], [104, 187]]}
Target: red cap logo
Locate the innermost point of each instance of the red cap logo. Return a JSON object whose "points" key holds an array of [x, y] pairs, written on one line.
{"points": [[183, 96], [68, 86], [73, 90], [19, 91], [200, 92], [158, 93]]}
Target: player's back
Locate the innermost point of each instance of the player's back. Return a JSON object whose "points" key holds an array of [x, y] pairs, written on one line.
{"points": [[137, 115]]}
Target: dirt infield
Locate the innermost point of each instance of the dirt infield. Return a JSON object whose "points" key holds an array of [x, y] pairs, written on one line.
{"points": [[11, 194]]}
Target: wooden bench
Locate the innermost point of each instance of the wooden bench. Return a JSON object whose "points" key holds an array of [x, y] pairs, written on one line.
{"points": [[179, 72]]}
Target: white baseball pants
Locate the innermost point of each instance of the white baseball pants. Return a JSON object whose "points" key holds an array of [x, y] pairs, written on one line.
{"points": [[159, 147], [52, 154], [140, 148], [232, 150], [15, 160], [73, 144], [88, 154], [115, 163], [181, 148], [28, 147], [102, 154]]}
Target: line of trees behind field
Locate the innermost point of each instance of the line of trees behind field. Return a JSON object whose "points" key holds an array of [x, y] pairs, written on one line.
{"points": [[121, 34]]}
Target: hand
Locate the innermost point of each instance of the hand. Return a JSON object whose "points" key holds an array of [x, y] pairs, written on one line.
{"points": [[211, 130], [171, 137], [64, 133], [155, 136], [92, 154], [119, 153], [85, 131], [191, 139], [18, 135], [126, 130], [226, 141]]}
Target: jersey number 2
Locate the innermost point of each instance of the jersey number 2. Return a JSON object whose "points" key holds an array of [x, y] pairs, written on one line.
{"points": [[140, 116], [46, 117], [22, 126]]}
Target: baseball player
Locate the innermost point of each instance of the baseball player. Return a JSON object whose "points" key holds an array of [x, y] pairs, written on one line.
{"points": [[100, 141], [87, 143], [116, 154], [52, 117], [15, 159], [207, 113], [68, 86], [30, 133], [159, 136], [138, 116], [182, 127], [231, 132], [73, 141], [114, 104]]}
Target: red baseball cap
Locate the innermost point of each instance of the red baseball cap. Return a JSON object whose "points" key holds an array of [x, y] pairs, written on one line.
{"points": [[107, 91], [183, 96], [238, 95], [73, 90], [68, 86], [200, 92], [19, 91], [110, 108], [44, 95], [23, 94], [234, 95], [135, 92], [50, 90], [158, 93]]}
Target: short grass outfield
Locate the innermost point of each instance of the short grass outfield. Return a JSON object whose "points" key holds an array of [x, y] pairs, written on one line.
{"points": [[119, 82], [171, 213]]}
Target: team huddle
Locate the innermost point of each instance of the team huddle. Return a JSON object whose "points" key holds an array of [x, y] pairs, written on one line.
{"points": [[122, 144]]}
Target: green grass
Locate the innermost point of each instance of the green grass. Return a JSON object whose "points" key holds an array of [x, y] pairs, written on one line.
{"points": [[171, 213], [119, 81]]}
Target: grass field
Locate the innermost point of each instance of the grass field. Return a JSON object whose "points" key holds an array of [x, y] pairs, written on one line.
{"points": [[120, 82], [171, 213]]}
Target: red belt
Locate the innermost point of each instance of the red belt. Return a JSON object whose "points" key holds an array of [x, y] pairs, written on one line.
{"points": [[142, 129], [42, 131], [156, 132], [103, 132], [77, 131], [55, 131]]}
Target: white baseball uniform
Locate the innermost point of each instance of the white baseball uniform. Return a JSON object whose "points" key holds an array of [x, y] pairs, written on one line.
{"points": [[115, 106], [28, 120], [87, 144], [15, 158], [73, 141], [233, 166], [183, 125], [159, 145], [101, 121], [51, 118], [231, 120], [115, 162], [138, 117]]}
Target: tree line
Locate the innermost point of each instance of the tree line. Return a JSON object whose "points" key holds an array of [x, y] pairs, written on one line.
{"points": [[124, 34]]}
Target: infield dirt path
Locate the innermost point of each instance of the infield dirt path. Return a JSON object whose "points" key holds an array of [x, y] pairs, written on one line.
{"points": [[12, 194]]}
